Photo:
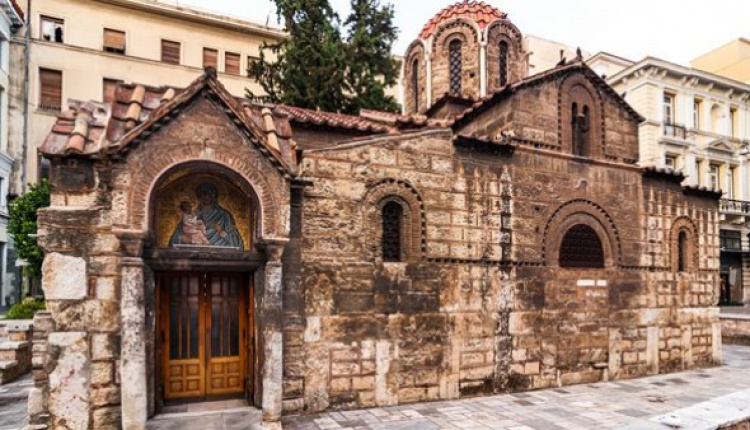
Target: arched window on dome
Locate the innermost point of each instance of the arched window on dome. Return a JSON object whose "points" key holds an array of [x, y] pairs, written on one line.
{"points": [[503, 63], [581, 248], [415, 84], [454, 58]]}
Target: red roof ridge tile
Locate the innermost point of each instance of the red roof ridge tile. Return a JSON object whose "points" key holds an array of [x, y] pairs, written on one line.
{"points": [[478, 11]]}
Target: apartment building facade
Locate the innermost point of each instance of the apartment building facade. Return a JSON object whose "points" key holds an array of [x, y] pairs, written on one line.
{"points": [[81, 49], [11, 20], [731, 60], [697, 123]]}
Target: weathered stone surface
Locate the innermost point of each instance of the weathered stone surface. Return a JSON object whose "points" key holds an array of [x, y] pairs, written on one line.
{"points": [[64, 277], [69, 381]]}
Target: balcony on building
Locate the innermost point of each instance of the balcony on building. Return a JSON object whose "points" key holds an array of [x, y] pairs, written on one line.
{"points": [[736, 212]]}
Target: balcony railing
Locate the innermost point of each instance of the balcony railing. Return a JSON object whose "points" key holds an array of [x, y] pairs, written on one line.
{"points": [[735, 206], [675, 130]]}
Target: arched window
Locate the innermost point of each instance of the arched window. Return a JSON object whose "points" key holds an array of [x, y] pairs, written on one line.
{"points": [[682, 251], [454, 57], [581, 121], [415, 84], [581, 248], [392, 216], [503, 63]]}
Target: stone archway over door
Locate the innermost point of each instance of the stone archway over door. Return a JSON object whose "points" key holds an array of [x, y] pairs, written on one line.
{"points": [[206, 217]]}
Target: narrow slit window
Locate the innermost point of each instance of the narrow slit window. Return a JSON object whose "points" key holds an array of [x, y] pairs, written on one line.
{"points": [[503, 63], [682, 254], [392, 217], [415, 84]]}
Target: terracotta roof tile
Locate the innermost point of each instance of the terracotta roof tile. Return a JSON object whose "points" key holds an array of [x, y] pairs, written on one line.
{"points": [[478, 11]]}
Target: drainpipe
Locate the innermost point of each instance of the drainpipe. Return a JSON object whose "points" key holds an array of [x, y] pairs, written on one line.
{"points": [[26, 90]]}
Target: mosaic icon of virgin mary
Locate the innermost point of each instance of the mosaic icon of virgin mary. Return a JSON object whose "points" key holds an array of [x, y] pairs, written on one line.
{"points": [[207, 225]]}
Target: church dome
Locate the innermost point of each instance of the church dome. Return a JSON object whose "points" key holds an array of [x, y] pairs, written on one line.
{"points": [[477, 11]]}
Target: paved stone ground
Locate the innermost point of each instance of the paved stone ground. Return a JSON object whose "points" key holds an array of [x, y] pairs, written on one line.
{"points": [[13, 406], [632, 404], [611, 405]]}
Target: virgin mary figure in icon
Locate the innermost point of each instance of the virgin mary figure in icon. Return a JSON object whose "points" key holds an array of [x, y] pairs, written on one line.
{"points": [[207, 225]]}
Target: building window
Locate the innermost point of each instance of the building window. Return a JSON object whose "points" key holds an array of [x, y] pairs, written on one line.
{"points": [[734, 122], [503, 63], [52, 29], [392, 217], [670, 162], [668, 108], [697, 114], [231, 63], [210, 58], [682, 251], [50, 89], [730, 240], [170, 52], [713, 177], [454, 55], [415, 84], [109, 89], [114, 41], [731, 177], [581, 249]]}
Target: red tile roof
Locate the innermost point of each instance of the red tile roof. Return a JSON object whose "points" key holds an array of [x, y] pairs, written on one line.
{"points": [[478, 11], [18, 9]]}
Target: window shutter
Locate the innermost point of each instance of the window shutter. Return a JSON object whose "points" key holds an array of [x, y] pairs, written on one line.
{"points": [[232, 63], [114, 41], [50, 89], [109, 90], [210, 58], [170, 52]]}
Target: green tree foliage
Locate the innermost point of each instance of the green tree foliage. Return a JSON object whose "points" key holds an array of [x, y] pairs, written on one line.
{"points": [[370, 66], [317, 68], [25, 310], [22, 226], [308, 68]]}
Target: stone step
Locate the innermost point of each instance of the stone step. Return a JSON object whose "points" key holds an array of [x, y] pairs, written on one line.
{"points": [[9, 371], [12, 350]]}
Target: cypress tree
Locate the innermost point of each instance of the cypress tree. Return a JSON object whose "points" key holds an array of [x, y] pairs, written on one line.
{"points": [[317, 69], [370, 66]]}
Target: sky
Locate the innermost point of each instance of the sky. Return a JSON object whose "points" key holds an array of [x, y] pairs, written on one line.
{"points": [[673, 30]]}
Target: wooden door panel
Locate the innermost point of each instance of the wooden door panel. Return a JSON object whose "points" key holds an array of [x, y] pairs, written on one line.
{"points": [[204, 322], [226, 328], [184, 323]]}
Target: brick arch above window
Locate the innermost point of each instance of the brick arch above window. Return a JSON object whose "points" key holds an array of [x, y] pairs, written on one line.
{"points": [[467, 33], [577, 93], [413, 224], [503, 31], [415, 56], [683, 245], [581, 212]]}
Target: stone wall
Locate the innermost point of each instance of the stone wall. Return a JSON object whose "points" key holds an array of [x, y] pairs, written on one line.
{"points": [[482, 306]]}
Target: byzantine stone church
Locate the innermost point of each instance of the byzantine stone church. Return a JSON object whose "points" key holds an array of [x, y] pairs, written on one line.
{"points": [[497, 237]]}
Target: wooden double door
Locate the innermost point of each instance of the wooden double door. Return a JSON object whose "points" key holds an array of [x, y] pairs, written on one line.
{"points": [[206, 325]]}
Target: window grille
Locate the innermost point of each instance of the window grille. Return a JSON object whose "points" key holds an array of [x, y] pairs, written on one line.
{"points": [[503, 63], [454, 56], [392, 216], [581, 248], [415, 84]]}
